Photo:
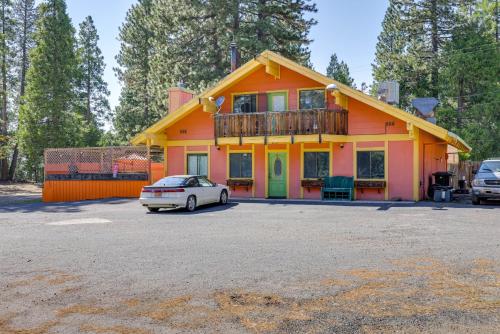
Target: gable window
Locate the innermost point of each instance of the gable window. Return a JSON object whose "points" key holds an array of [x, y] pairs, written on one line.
{"points": [[197, 164], [316, 164], [245, 103], [240, 165], [312, 99], [371, 165]]}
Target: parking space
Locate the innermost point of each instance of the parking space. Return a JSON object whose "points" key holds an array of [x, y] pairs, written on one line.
{"points": [[250, 266]]}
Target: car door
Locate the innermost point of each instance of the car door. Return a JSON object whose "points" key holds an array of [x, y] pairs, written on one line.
{"points": [[193, 188], [210, 192]]}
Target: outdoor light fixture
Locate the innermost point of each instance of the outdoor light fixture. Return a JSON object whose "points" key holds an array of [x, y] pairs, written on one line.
{"points": [[342, 145], [331, 87]]}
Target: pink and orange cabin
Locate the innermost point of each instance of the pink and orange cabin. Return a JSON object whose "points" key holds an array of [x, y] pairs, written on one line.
{"points": [[283, 127]]}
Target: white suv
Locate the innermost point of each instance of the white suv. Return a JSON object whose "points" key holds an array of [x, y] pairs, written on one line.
{"points": [[486, 183]]}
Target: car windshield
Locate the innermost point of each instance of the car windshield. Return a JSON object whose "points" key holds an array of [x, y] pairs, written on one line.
{"points": [[490, 166], [170, 182]]}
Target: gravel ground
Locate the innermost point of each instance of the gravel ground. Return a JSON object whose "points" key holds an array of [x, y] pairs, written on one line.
{"points": [[249, 267]]}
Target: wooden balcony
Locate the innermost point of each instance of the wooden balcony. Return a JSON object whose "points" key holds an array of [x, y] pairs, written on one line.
{"points": [[285, 123]]}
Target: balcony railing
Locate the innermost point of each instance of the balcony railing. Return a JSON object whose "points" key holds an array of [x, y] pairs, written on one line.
{"points": [[284, 123]]}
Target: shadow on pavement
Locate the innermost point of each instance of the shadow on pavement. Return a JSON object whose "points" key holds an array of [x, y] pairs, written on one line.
{"points": [[199, 210], [68, 207]]}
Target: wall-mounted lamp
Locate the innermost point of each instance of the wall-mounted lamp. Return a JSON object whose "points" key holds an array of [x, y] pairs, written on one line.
{"points": [[331, 87], [341, 145]]}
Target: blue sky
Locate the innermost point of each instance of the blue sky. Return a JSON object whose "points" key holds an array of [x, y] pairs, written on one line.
{"points": [[349, 28]]}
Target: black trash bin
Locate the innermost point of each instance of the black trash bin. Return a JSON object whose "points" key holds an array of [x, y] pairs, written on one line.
{"points": [[442, 178]]}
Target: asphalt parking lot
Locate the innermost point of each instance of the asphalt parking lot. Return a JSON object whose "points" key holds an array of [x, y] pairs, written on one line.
{"points": [[249, 267]]}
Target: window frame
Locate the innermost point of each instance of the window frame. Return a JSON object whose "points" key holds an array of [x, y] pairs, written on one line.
{"points": [[370, 151], [240, 169], [315, 151], [235, 95], [300, 90], [198, 154]]}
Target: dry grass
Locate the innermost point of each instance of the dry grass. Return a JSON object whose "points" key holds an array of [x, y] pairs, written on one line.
{"points": [[81, 309], [112, 329], [62, 279], [426, 290]]}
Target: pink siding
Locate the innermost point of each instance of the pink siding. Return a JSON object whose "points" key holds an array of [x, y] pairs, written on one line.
{"points": [[200, 148], [218, 159], [432, 159], [175, 160], [294, 176], [364, 119], [260, 172], [342, 160], [369, 144], [401, 170]]}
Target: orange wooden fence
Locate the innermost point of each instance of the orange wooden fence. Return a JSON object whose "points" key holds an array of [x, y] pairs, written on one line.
{"points": [[70, 191]]}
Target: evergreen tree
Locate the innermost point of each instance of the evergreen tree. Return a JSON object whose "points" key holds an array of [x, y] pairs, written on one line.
{"points": [[6, 41], [339, 71], [134, 112], [92, 90], [25, 17], [470, 84], [48, 117]]}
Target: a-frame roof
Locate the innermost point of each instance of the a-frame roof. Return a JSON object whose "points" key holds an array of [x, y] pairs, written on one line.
{"points": [[267, 56]]}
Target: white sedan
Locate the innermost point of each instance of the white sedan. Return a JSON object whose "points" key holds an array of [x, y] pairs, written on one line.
{"points": [[183, 191]]}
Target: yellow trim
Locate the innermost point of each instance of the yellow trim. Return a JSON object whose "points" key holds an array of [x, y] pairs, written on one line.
{"points": [[287, 179], [266, 170], [309, 88], [268, 56], [377, 148], [301, 168], [165, 163], [384, 149], [253, 169], [229, 151], [245, 93], [416, 165], [207, 152], [287, 170], [287, 139], [386, 169], [354, 166]]}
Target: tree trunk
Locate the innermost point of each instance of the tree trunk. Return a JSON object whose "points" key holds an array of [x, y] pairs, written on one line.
{"points": [[435, 49], [4, 172], [13, 163]]}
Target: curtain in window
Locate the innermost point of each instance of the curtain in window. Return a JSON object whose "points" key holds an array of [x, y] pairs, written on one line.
{"points": [[197, 164], [316, 164]]}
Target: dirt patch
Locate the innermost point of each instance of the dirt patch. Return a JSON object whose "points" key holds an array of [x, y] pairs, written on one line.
{"points": [[81, 309], [412, 296], [12, 193], [7, 328], [112, 330]]}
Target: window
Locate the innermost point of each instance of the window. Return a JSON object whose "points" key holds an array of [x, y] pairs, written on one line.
{"points": [[197, 164], [245, 103], [371, 165], [316, 164], [240, 165], [192, 182], [204, 182], [311, 99]]}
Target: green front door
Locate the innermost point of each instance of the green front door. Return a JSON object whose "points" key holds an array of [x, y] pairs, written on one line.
{"points": [[277, 175]]}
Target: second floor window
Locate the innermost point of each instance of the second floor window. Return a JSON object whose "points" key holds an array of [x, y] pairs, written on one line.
{"points": [[245, 103], [312, 99]]}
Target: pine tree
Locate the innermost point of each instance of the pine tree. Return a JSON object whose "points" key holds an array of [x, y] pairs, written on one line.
{"points": [[134, 112], [6, 41], [339, 71], [92, 90], [470, 84], [48, 117], [25, 16]]}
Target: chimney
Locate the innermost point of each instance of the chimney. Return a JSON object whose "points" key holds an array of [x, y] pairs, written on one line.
{"points": [[235, 57], [177, 96]]}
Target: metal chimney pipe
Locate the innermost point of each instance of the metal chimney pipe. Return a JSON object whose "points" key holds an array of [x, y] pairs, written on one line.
{"points": [[234, 57]]}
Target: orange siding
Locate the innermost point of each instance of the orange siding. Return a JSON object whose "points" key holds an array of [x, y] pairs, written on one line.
{"points": [[70, 191]]}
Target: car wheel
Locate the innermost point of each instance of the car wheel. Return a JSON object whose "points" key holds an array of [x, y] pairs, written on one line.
{"points": [[476, 200], [191, 203], [153, 209], [223, 197]]}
